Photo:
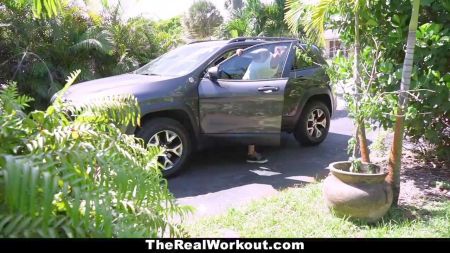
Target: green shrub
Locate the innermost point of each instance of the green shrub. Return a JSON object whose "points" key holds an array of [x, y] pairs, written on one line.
{"points": [[69, 171], [384, 26], [256, 18], [39, 53]]}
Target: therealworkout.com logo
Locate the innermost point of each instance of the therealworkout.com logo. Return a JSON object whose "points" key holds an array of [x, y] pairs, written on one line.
{"points": [[217, 244]]}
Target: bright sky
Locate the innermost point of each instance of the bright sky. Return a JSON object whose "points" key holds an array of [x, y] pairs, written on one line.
{"points": [[160, 9], [164, 9]]}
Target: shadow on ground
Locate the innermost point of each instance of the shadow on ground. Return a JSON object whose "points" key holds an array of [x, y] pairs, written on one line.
{"points": [[222, 168], [340, 114], [419, 182]]}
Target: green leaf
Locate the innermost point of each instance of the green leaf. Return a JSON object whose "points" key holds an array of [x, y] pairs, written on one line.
{"points": [[396, 19], [372, 22]]}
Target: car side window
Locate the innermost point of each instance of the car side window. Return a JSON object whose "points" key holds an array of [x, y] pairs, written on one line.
{"points": [[260, 62], [223, 57], [306, 57]]}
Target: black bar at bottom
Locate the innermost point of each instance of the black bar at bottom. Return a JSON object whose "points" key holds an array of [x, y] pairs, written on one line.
{"points": [[220, 245]]}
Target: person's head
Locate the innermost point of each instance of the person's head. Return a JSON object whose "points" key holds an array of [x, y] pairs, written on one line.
{"points": [[280, 50]]}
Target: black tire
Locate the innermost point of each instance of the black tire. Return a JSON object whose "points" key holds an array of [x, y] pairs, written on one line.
{"points": [[158, 126], [302, 134]]}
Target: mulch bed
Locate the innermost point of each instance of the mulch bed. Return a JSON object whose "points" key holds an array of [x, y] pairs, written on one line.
{"points": [[420, 180]]}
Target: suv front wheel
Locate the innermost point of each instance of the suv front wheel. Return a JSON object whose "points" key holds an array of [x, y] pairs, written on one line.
{"points": [[173, 140], [313, 125]]}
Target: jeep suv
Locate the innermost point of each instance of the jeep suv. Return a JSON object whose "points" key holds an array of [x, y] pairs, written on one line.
{"points": [[200, 92]]}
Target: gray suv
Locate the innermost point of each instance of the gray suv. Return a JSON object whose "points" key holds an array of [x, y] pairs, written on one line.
{"points": [[204, 91]]}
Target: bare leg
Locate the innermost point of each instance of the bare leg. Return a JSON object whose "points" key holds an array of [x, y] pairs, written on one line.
{"points": [[253, 156], [251, 150]]}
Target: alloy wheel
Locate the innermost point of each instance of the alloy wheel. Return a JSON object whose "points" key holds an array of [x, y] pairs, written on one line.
{"points": [[317, 123], [171, 148]]}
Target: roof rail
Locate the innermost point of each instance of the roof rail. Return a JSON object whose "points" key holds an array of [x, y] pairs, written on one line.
{"points": [[260, 38], [199, 41]]}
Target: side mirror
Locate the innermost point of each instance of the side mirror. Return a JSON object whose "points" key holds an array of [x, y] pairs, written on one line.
{"points": [[213, 74]]}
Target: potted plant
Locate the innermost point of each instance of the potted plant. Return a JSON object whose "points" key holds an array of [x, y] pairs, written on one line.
{"points": [[357, 188], [354, 188]]}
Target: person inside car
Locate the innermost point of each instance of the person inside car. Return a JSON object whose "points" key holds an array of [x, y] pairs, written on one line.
{"points": [[264, 65]]}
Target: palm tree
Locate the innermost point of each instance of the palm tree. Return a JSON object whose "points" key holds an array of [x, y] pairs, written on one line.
{"points": [[201, 19], [314, 30], [396, 150], [257, 19]]}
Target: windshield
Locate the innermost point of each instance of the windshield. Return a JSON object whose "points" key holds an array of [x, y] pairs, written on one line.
{"points": [[181, 60]]}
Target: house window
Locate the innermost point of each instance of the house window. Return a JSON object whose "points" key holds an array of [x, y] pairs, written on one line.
{"points": [[334, 46]]}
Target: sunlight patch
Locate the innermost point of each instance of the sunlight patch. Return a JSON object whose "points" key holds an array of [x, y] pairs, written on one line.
{"points": [[303, 179], [263, 171]]}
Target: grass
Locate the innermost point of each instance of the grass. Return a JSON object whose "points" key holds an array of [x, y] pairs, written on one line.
{"points": [[301, 212]]}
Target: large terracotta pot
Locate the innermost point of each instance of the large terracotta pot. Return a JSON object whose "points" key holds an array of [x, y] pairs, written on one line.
{"points": [[362, 196]]}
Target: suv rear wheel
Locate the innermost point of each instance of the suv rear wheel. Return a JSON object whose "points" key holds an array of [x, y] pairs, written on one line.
{"points": [[313, 125], [172, 138]]}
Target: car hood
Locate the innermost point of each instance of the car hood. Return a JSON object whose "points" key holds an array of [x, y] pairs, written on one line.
{"points": [[116, 85]]}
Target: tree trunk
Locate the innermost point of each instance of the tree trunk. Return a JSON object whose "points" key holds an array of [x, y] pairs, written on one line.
{"points": [[361, 130], [395, 156]]}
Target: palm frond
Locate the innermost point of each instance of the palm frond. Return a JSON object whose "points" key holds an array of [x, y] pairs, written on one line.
{"points": [[94, 38], [292, 17], [315, 27], [120, 109], [45, 8], [10, 99], [69, 81], [311, 16]]}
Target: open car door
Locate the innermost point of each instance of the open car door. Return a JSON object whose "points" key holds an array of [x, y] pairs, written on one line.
{"points": [[243, 97]]}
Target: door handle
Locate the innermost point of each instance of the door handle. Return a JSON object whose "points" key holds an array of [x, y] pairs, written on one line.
{"points": [[268, 89]]}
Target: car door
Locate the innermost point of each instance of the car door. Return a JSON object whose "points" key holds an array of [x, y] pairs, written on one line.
{"points": [[234, 105]]}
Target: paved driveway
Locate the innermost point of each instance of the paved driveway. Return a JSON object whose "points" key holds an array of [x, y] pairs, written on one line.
{"points": [[219, 178]]}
